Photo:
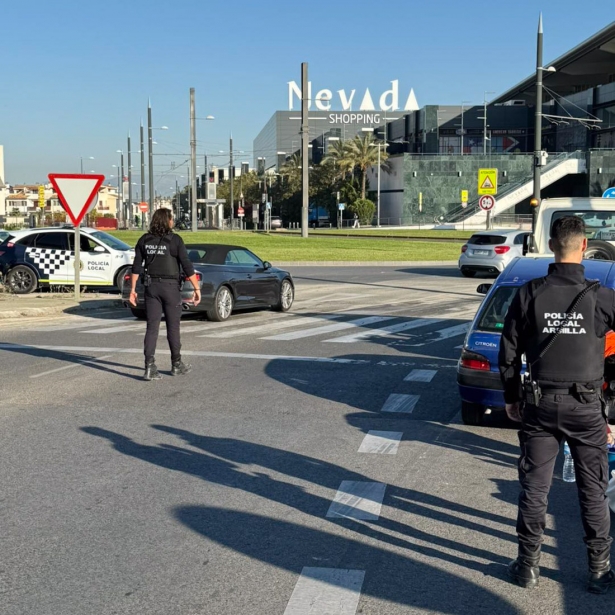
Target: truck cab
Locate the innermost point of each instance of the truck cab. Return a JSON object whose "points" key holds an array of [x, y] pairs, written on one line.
{"points": [[598, 215]]}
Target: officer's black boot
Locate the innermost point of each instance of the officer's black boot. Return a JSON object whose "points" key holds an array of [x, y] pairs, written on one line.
{"points": [[179, 368], [151, 371], [524, 570], [601, 577]]}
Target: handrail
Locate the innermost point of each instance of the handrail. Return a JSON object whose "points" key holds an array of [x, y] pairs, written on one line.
{"points": [[459, 213]]}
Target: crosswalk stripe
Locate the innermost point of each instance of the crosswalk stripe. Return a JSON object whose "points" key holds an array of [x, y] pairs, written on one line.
{"points": [[381, 442], [385, 331], [357, 500], [402, 404], [234, 321], [78, 324], [290, 322], [120, 329], [420, 375], [444, 334], [326, 591], [360, 322]]}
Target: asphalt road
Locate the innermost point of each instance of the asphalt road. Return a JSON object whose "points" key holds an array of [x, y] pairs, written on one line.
{"points": [[312, 463]]}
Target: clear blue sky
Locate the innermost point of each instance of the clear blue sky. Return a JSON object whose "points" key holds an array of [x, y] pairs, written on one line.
{"points": [[77, 75]]}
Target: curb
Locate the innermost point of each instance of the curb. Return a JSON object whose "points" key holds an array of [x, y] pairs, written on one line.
{"points": [[365, 263], [61, 309]]}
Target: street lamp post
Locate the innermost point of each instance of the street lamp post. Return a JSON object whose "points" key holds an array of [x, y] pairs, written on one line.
{"points": [[535, 201], [81, 158], [142, 173]]}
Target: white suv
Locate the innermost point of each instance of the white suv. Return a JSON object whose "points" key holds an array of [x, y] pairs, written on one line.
{"points": [[46, 257]]}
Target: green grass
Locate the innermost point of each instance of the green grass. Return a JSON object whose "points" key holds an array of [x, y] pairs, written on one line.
{"points": [[318, 248], [380, 232]]}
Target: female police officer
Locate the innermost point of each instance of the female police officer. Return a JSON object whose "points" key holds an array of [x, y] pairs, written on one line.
{"points": [[158, 257]]}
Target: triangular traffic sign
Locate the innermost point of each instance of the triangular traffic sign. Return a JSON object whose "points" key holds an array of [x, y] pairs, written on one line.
{"points": [[76, 192], [487, 183]]}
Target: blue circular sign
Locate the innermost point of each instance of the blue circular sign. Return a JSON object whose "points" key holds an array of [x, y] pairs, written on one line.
{"points": [[609, 193]]}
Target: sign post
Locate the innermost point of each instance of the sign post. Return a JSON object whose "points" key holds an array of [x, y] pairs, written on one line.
{"points": [[76, 193]]}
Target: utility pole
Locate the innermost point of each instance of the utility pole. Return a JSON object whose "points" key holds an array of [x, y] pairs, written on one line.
{"points": [[150, 158], [305, 135], [462, 139], [485, 124], [129, 205], [193, 161], [535, 201], [123, 206], [231, 178], [142, 174]]}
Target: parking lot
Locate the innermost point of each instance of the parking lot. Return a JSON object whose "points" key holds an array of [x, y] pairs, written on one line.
{"points": [[315, 457]]}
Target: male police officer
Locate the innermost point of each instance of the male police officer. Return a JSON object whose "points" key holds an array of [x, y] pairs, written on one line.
{"points": [[559, 322], [159, 255]]}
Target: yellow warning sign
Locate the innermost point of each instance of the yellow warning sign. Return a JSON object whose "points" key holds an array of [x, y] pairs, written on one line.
{"points": [[464, 196], [488, 181]]}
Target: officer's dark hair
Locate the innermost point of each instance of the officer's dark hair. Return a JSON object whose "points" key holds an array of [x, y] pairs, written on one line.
{"points": [[161, 222], [567, 233]]}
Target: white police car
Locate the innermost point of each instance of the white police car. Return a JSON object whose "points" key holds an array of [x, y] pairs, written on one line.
{"points": [[46, 257]]}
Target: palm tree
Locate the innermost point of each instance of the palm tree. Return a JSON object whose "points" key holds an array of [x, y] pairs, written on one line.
{"points": [[362, 152], [338, 156]]}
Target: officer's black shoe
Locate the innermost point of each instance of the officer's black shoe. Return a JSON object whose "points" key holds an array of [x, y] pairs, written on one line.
{"points": [[179, 368], [151, 372], [601, 577], [524, 570]]}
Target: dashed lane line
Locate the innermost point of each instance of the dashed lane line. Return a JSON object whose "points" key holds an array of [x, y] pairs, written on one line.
{"points": [[359, 500], [381, 442], [421, 375], [401, 404], [326, 591]]}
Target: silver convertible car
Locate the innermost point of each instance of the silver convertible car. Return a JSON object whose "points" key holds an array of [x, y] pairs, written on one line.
{"points": [[231, 278]]}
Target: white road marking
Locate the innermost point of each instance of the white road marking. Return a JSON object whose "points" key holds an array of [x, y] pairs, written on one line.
{"points": [[459, 347], [420, 375], [444, 334], [360, 322], [358, 500], [326, 591], [400, 403], [78, 324], [296, 321], [77, 364], [190, 353], [385, 331], [133, 327], [234, 321], [381, 442]]}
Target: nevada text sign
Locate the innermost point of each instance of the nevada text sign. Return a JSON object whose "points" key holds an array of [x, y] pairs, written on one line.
{"points": [[387, 101]]}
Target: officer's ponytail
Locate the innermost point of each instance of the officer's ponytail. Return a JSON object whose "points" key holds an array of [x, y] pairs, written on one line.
{"points": [[161, 222]]}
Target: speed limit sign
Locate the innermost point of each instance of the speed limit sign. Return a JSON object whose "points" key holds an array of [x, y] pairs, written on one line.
{"points": [[486, 202]]}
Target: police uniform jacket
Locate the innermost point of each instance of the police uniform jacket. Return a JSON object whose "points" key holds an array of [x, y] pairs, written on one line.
{"points": [[539, 309], [162, 256]]}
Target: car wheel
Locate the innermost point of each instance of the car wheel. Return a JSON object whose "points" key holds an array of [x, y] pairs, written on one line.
{"points": [[223, 305], [287, 296], [600, 250], [137, 313], [21, 280], [119, 278], [472, 414], [466, 273]]}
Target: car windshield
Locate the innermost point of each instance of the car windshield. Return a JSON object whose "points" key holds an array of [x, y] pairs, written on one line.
{"points": [[4, 235], [487, 240], [598, 224], [111, 241], [494, 312]]}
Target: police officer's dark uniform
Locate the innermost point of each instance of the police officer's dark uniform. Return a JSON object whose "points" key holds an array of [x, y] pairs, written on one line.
{"points": [[565, 404], [158, 260]]}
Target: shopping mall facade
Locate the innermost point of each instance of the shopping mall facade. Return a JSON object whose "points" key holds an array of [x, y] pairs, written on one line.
{"points": [[436, 150]]}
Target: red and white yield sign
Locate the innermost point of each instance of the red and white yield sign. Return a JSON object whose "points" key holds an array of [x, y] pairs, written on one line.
{"points": [[76, 192], [486, 202]]}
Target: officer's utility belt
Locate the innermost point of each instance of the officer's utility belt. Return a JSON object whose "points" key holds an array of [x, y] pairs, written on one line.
{"points": [[533, 392], [585, 393]]}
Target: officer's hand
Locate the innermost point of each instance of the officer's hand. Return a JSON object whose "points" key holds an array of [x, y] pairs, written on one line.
{"points": [[514, 412], [197, 296], [133, 298]]}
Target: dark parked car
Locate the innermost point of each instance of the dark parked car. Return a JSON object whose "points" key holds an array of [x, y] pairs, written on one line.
{"points": [[231, 278]]}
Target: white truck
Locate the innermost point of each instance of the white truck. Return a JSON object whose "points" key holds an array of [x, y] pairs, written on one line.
{"points": [[598, 215]]}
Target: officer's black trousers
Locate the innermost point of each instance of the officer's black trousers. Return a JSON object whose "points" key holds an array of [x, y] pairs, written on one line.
{"points": [[162, 297], [583, 426]]}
